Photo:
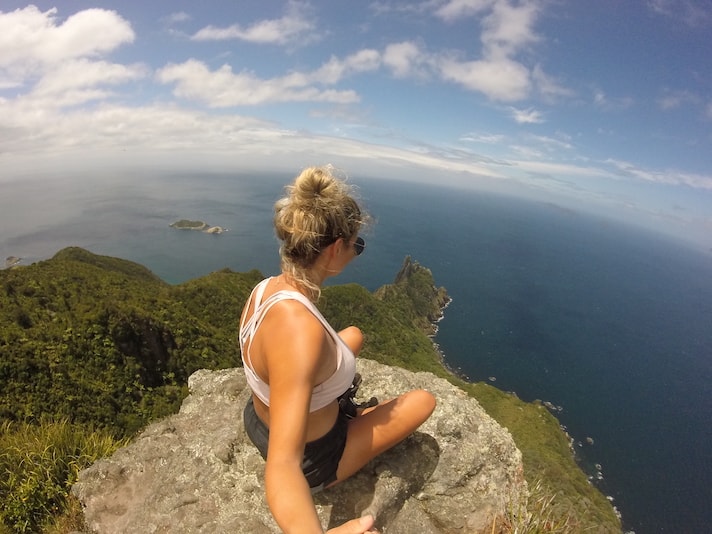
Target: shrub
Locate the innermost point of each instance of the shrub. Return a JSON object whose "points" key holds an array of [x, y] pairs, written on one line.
{"points": [[39, 464]]}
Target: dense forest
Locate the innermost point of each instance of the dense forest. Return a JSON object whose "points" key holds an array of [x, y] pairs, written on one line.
{"points": [[92, 348]]}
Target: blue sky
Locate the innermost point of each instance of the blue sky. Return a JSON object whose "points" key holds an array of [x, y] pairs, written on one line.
{"points": [[604, 106]]}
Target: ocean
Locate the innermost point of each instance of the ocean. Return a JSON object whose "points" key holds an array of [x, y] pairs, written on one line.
{"points": [[609, 323]]}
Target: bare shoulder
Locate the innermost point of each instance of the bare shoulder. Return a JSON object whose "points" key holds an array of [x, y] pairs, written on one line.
{"points": [[291, 315], [291, 328]]}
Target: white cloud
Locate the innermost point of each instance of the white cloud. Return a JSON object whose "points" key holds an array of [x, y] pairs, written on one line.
{"points": [[693, 13], [31, 41], [547, 86], [551, 143], [669, 102], [562, 169], [527, 151], [485, 138], [668, 177], [287, 29], [108, 129], [508, 28], [178, 138], [177, 18], [604, 102], [503, 79], [405, 59], [456, 9], [336, 69], [526, 116], [74, 82], [676, 99], [224, 88]]}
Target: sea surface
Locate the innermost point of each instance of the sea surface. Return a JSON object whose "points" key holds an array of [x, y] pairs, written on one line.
{"points": [[609, 323]]}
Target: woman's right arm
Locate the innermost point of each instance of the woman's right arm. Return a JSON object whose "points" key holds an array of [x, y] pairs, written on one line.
{"points": [[295, 349], [292, 347]]}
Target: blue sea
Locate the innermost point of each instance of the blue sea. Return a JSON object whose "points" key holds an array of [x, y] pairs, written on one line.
{"points": [[608, 322]]}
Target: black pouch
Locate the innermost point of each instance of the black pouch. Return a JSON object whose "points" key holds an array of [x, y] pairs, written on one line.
{"points": [[347, 400]]}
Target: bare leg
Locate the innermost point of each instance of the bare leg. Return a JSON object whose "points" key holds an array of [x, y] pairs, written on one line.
{"points": [[382, 427]]}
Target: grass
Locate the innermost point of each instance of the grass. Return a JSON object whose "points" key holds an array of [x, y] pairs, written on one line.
{"points": [[38, 465]]}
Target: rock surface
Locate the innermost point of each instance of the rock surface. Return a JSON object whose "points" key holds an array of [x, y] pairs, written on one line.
{"points": [[197, 472]]}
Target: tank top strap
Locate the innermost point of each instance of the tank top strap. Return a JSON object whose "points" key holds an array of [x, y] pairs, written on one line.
{"points": [[260, 309], [249, 327]]}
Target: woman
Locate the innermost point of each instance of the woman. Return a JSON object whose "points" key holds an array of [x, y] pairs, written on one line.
{"points": [[297, 365]]}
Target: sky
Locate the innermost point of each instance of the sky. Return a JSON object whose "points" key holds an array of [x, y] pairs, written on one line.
{"points": [[603, 106]]}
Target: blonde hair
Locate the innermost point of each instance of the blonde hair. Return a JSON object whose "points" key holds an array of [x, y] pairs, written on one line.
{"points": [[317, 210]]}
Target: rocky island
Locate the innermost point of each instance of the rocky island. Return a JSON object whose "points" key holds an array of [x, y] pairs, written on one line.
{"points": [[187, 224]]}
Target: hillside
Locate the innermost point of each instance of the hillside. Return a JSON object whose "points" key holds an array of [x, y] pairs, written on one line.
{"points": [[104, 343]]}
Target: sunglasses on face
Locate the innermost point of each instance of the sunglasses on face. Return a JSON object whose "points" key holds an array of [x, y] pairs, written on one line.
{"points": [[359, 245]]}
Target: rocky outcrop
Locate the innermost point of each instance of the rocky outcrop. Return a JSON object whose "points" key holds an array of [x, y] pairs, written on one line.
{"points": [[425, 301], [197, 472], [12, 261]]}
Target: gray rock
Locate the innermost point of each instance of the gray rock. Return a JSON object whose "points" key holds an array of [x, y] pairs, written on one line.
{"points": [[197, 472]]}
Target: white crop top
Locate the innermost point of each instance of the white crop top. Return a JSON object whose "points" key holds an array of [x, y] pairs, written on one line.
{"points": [[323, 393]]}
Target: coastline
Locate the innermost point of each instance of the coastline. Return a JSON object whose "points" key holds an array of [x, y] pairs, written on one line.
{"points": [[440, 354], [552, 446]]}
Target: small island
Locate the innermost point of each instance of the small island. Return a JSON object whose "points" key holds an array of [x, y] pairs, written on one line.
{"points": [[186, 224]]}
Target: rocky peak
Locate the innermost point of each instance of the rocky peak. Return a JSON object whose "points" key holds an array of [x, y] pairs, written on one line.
{"points": [[197, 472], [424, 301]]}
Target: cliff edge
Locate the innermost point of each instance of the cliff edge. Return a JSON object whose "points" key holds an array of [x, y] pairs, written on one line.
{"points": [[197, 472]]}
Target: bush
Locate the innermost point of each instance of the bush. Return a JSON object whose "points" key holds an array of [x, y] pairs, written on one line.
{"points": [[39, 464]]}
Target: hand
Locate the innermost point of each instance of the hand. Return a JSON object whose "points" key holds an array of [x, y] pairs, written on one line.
{"points": [[362, 525]]}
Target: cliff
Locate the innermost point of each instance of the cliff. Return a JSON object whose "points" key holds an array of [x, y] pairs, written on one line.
{"points": [[196, 471], [102, 343]]}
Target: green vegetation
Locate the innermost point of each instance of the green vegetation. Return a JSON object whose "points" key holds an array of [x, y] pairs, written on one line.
{"points": [[93, 348], [39, 463], [103, 341]]}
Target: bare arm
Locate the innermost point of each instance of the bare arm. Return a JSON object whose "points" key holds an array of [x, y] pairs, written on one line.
{"points": [[297, 354], [294, 352]]}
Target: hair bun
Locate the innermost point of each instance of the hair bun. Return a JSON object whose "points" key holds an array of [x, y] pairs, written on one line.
{"points": [[318, 209], [313, 183]]}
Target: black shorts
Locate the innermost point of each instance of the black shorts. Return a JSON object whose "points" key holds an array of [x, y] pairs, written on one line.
{"points": [[321, 456]]}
